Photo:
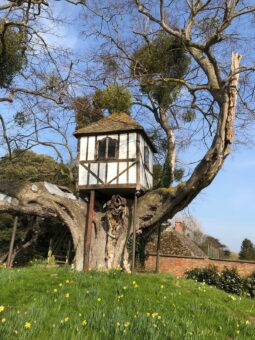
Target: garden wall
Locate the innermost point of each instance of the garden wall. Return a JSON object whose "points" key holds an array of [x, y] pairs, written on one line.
{"points": [[178, 265]]}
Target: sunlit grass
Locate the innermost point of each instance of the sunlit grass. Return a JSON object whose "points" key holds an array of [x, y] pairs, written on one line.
{"points": [[38, 303]]}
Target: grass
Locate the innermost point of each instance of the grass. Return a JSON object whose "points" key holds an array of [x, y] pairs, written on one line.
{"points": [[61, 304]]}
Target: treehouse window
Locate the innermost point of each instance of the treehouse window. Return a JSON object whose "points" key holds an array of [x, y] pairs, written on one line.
{"points": [[107, 148], [146, 156]]}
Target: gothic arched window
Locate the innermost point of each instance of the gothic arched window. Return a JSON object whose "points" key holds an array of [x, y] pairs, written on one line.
{"points": [[107, 148]]}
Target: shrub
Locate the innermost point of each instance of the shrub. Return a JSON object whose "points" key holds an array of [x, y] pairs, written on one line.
{"points": [[208, 275], [249, 285], [228, 280]]}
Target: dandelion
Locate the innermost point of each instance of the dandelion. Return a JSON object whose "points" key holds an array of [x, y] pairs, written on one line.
{"points": [[55, 290], [125, 287], [60, 285], [79, 314], [99, 299], [3, 320], [2, 309], [134, 282], [148, 314], [84, 322], [66, 319], [136, 286], [162, 286], [67, 281], [28, 325], [67, 295], [117, 324], [247, 322], [238, 331], [16, 332], [126, 324]]}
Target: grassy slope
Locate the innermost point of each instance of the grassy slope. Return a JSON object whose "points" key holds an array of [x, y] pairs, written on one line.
{"points": [[116, 307]]}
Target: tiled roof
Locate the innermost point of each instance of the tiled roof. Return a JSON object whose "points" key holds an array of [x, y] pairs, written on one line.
{"points": [[112, 123], [175, 244]]}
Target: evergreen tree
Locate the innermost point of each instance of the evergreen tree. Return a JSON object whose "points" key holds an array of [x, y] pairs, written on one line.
{"points": [[247, 250]]}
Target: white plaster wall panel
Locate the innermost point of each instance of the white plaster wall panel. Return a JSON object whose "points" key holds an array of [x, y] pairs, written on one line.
{"points": [[83, 148], [111, 172], [123, 146], [92, 178], [102, 172], [132, 173], [132, 145], [142, 147], [149, 179], [91, 149], [123, 177], [83, 174], [151, 162], [101, 137]]}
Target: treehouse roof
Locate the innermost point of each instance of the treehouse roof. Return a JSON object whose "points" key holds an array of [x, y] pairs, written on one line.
{"points": [[115, 123]]}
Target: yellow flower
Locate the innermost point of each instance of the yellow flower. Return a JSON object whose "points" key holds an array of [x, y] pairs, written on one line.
{"points": [[136, 286], [16, 332], [60, 285], [117, 323], [67, 295], [55, 290], [99, 299], [28, 325], [126, 324], [67, 281], [3, 320], [247, 322], [66, 318], [84, 323], [238, 331], [125, 287], [162, 286], [2, 309]]}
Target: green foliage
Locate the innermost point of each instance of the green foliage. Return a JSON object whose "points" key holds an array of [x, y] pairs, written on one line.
{"points": [[228, 280], [189, 116], [115, 305], [157, 175], [86, 112], [12, 53], [114, 98], [178, 174], [247, 250], [209, 275], [163, 57], [29, 166]]}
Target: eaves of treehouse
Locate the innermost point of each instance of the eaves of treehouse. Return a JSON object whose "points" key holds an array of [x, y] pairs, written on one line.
{"points": [[115, 156]]}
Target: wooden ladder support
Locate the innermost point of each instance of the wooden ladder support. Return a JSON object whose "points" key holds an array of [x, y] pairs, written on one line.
{"points": [[88, 231]]}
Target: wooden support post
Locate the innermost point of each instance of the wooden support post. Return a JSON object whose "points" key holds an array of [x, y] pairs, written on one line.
{"points": [[158, 249], [88, 232], [14, 230], [69, 249], [134, 234]]}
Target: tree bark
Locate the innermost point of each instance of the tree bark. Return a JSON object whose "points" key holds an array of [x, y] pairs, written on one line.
{"points": [[112, 228]]}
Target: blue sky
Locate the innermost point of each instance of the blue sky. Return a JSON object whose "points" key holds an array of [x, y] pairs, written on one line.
{"points": [[226, 209]]}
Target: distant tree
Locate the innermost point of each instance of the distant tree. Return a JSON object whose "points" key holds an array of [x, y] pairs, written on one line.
{"points": [[30, 166], [12, 52], [85, 111], [247, 250], [164, 57], [114, 98]]}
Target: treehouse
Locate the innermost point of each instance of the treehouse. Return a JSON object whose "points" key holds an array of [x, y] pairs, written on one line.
{"points": [[115, 156]]}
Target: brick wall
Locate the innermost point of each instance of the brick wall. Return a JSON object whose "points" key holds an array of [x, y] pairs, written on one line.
{"points": [[177, 265]]}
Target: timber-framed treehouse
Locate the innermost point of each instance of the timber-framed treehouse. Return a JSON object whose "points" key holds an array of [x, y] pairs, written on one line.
{"points": [[115, 155]]}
